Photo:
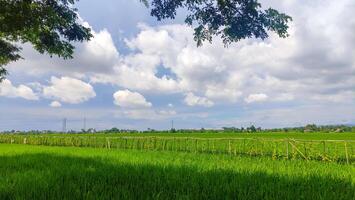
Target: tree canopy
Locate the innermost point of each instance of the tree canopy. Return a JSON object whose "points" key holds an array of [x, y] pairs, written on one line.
{"points": [[232, 20], [52, 25], [49, 25]]}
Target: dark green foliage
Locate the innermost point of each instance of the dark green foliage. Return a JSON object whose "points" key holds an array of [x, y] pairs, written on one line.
{"points": [[49, 25], [232, 20], [8, 52]]}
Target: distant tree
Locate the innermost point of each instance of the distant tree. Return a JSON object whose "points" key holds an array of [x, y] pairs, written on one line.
{"points": [[252, 129], [52, 25], [310, 128], [91, 130], [114, 130]]}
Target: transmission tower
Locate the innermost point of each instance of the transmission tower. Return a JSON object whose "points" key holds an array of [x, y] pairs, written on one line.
{"points": [[84, 126], [64, 125]]}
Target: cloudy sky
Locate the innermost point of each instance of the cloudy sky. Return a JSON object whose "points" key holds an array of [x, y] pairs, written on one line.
{"points": [[139, 73]]}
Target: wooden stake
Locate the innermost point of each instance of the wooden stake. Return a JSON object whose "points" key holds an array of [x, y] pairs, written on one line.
{"points": [[229, 147], [294, 147], [286, 148], [346, 153], [196, 145]]}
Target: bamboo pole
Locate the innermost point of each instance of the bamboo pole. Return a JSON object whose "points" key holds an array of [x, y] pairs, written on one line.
{"points": [[294, 147], [229, 147], [305, 149], [244, 147], [346, 153], [213, 147], [196, 145], [208, 145], [286, 141], [324, 149]]}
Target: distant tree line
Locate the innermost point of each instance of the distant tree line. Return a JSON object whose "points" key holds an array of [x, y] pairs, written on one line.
{"points": [[251, 129]]}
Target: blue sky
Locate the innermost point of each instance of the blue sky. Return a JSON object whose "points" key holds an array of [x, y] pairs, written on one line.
{"points": [[139, 73]]}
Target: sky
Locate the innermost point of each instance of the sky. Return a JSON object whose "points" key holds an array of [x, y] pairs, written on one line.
{"points": [[138, 73]]}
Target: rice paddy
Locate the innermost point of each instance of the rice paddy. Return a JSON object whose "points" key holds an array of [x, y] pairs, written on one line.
{"points": [[177, 166], [42, 172], [274, 147]]}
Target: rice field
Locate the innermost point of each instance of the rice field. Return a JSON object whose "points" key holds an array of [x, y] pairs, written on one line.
{"points": [[49, 172], [177, 166], [270, 145]]}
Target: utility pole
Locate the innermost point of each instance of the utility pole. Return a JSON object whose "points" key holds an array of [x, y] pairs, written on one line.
{"points": [[64, 125]]}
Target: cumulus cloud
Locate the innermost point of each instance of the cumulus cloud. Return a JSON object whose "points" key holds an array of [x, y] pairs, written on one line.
{"points": [[135, 106], [68, 90], [193, 100], [55, 104], [130, 100], [98, 55], [308, 63], [7, 89], [315, 65], [256, 98]]}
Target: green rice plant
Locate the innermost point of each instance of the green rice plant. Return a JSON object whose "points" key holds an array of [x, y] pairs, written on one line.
{"points": [[325, 150], [44, 172]]}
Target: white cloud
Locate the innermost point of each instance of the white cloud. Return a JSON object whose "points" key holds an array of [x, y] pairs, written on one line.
{"points": [[134, 106], [98, 55], [55, 104], [310, 67], [309, 62], [283, 97], [295, 68], [21, 91], [69, 90], [222, 94], [133, 78], [256, 98], [130, 100], [192, 100]]}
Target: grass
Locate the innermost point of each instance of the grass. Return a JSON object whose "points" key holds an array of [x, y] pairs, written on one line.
{"points": [[42, 172]]}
